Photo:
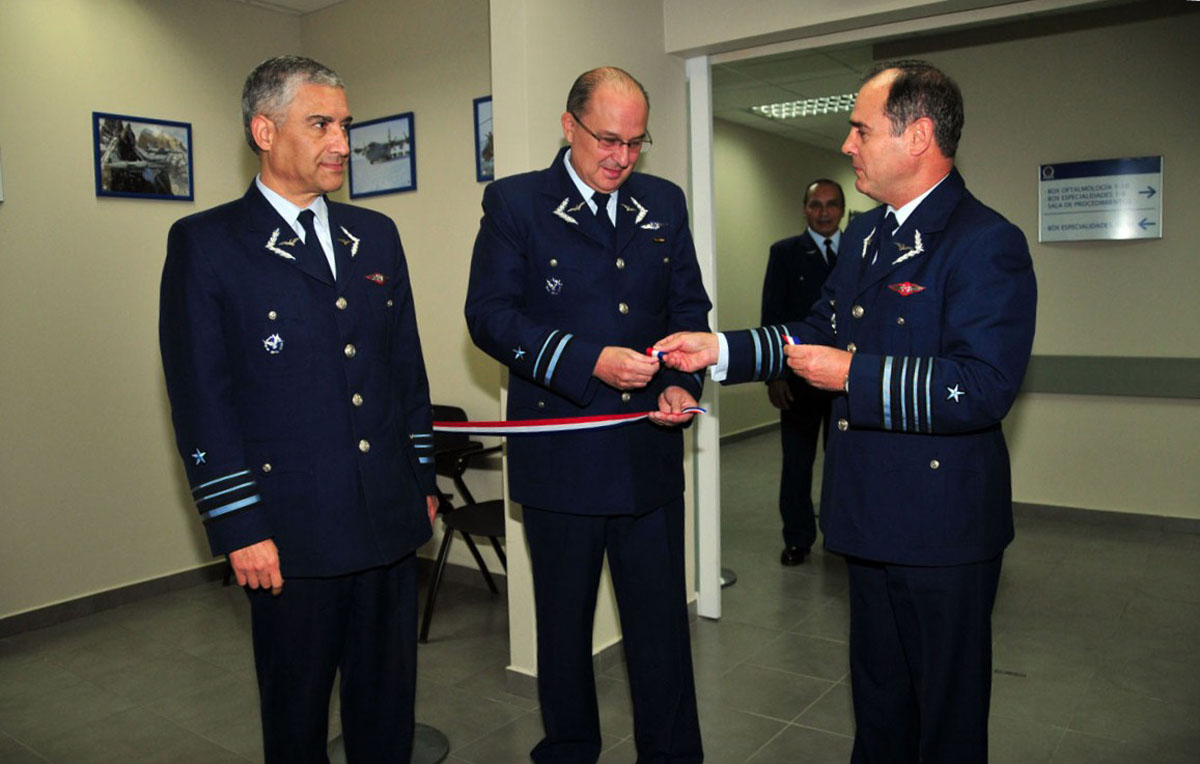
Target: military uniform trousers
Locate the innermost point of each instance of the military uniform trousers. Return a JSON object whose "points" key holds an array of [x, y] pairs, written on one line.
{"points": [[646, 559], [921, 661], [799, 429], [363, 624]]}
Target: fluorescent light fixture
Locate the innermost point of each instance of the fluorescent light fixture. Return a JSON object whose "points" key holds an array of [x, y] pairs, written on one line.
{"points": [[810, 107]]}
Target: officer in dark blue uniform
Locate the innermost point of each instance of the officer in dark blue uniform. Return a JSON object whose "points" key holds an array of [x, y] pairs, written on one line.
{"points": [[301, 410], [796, 271], [577, 269], [926, 327]]}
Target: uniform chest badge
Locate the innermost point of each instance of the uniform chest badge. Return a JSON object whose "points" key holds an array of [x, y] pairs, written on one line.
{"points": [[273, 344], [378, 278], [554, 286], [905, 288]]}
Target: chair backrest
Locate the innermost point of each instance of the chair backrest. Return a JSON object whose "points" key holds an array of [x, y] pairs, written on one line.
{"points": [[447, 446]]}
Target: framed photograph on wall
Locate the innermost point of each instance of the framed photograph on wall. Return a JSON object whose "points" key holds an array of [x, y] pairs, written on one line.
{"points": [[485, 164], [383, 156], [142, 158]]}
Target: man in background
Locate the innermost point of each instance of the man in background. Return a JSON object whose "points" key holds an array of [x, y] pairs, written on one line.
{"points": [[796, 271], [301, 411], [577, 269]]}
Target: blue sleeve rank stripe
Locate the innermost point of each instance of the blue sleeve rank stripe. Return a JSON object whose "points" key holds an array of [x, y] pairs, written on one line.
{"points": [[699, 377], [769, 360], [555, 343], [906, 402], [423, 443], [230, 493]]}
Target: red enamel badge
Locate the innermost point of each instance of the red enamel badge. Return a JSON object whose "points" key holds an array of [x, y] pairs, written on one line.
{"points": [[906, 288], [378, 278]]}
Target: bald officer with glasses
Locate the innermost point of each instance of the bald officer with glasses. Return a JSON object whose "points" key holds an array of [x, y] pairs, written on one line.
{"points": [[577, 269]]}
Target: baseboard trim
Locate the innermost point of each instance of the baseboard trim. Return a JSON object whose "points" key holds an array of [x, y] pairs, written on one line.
{"points": [[51, 615], [1131, 520]]}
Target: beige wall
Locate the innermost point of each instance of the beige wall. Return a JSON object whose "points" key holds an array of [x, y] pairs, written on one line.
{"points": [[393, 58], [88, 470], [1098, 94], [1123, 90], [760, 180], [92, 494], [538, 48]]}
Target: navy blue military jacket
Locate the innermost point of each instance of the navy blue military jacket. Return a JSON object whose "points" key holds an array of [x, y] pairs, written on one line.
{"points": [[796, 272], [916, 468], [548, 291], [300, 405]]}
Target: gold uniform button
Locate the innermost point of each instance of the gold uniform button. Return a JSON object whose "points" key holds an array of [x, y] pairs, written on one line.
{"points": [[857, 311], [900, 321], [666, 259], [553, 262], [350, 351], [364, 445], [341, 303], [852, 348], [389, 303], [356, 399], [620, 263], [933, 465], [266, 467], [843, 425], [541, 404], [625, 397], [272, 315], [623, 308]]}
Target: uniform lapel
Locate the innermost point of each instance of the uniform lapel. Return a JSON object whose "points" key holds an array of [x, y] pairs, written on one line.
{"points": [[272, 236], [345, 250], [562, 201], [917, 238], [630, 213]]}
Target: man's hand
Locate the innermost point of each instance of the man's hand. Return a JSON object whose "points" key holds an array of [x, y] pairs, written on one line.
{"points": [[257, 566], [670, 402], [780, 394], [823, 367], [431, 506], [689, 351], [624, 368]]}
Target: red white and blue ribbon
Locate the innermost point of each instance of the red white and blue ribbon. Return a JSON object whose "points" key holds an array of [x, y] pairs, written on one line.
{"points": [[540, 426]]}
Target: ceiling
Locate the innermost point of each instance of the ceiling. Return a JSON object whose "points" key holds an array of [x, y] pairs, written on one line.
{"points": [[739, 85]]}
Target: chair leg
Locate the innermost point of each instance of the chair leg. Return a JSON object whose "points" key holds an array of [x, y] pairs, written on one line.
{"points": [[443, 553], [487, 575], [499, 552]]}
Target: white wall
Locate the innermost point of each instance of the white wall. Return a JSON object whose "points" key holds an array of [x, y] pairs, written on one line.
{"points": [[538, 48]]}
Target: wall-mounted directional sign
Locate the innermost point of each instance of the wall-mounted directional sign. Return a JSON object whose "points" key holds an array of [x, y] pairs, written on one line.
{"points": [[1101, 199]]}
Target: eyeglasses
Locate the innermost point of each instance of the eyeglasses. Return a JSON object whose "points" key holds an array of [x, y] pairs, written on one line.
{"points": [[610, 143]]}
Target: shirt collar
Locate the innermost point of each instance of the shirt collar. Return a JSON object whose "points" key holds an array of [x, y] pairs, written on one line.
{"points": [[290, 211], [908, 209], [835, 237], [585, 190]]}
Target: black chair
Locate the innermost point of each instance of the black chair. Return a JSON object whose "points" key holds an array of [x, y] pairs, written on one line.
{"points": [[453, 455]]}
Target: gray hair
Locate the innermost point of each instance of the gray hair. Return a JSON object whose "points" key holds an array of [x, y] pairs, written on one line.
{"points": [[586, 84], [272, 85], [922, 90]]}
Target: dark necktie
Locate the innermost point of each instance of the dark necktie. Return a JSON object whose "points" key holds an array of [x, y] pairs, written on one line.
{"points": [[886, 252], [830, 255], [601, 201], [312, 244]]}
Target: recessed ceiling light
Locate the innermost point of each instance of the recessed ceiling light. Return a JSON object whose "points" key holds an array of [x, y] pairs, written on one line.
{"points": [[809, 107]]}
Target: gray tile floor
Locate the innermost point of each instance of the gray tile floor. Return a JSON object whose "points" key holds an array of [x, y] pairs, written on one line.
{"points": [[1097, 659]]}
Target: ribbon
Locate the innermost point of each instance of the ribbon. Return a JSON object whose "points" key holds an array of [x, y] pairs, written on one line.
{"points": [[538, 426]]}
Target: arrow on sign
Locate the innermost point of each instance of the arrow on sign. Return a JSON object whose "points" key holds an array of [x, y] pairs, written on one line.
{"points": [[1144, 224], [1149, 192]]}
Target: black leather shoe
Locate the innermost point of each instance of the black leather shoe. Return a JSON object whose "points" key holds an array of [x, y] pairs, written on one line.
{"points": [[793, 555]]}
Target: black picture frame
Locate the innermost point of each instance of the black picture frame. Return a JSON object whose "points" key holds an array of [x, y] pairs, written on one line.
{"points": [[383, 156], [485, 161], [142, 157]]}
